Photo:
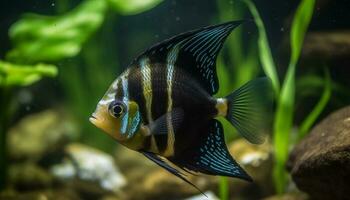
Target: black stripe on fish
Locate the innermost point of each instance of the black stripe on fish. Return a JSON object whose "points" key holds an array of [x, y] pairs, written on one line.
{"points": [[160, 102], [136, 90], [146, 89]]}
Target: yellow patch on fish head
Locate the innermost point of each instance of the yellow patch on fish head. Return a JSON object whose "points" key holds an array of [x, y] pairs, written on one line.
{"points": [[121, 120]]}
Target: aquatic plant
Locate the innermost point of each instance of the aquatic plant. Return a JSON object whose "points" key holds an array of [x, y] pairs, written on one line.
{"points": [[319, 107], [285, 97], [63, 36]]}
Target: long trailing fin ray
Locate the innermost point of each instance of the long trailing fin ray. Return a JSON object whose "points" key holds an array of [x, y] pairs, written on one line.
{"points": [[210, 155], [249, 109], [198, 50], [159, 161]]}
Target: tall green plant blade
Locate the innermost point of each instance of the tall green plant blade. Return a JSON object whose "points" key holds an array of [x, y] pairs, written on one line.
{"points": [[223, 188], [264, 48], [282, 127], [316, 111], [284, 114], [300, 24]]}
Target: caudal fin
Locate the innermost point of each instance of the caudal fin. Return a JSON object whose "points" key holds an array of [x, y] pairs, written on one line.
{"points": [[249, 109]]}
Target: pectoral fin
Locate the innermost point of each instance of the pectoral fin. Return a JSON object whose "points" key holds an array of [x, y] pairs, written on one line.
{"points": [[169, 120]]}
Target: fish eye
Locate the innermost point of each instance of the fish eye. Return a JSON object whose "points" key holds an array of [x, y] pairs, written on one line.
{"points": [[116, 108]]}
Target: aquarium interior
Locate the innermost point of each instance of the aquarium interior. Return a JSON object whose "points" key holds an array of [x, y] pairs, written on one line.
{"points": [[58, 57]]}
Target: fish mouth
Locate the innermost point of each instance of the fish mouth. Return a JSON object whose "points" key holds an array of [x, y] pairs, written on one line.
{"points": [[94, 120]]}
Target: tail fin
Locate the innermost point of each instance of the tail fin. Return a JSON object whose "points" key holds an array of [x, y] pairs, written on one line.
{"points": [[249, 109]]}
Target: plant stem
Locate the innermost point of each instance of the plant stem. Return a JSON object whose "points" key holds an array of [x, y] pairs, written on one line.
{"points": [[223, 188]]}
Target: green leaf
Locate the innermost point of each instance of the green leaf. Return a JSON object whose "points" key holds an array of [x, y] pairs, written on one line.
{"points": [[316, 111], [132, 7], [264, 48], [284, 114], [23, 75], [50, 38], [282, 127], [300, 24]]}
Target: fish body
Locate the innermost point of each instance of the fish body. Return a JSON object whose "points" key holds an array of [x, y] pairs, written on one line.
{"points": [[162, 105]]}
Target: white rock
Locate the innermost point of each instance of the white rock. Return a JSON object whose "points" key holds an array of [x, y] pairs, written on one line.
{"points": [[90, 164]]}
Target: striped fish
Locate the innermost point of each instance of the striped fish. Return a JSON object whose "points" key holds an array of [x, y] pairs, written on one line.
{"points": [[162, 106]]}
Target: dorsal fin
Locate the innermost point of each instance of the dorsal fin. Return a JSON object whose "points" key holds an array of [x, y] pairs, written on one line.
{"points": [[210, 155], [196, 51]]}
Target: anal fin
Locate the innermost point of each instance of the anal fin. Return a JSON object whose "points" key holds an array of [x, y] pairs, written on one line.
{"points": [[210, 155]]}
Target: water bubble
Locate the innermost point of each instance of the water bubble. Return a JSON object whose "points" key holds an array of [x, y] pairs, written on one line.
{"points": [[25, 96], [28, 108], [52, 4], [282, 29]]}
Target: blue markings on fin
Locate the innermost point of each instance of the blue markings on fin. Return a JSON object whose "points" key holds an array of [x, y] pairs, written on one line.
{"points": [[198, 50], [211, 156]]}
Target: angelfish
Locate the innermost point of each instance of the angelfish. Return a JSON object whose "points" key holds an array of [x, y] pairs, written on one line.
{"points": [[162, 106]]}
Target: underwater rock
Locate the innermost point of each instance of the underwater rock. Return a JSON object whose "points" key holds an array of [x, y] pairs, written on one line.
{"points": [[40, 134], [327, 45], [28, 176], [132, 164], [320, 163], [161, 184], [57, 194], [89, 170], [288, 196]]}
